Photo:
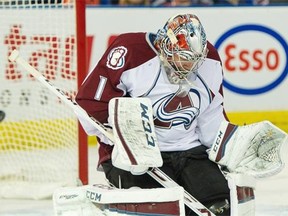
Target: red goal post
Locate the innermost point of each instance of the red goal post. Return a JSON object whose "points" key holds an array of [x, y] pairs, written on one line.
{"points": [[42, 145]]}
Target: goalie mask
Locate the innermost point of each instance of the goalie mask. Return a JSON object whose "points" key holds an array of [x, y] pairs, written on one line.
{"points": [[182, 46]]}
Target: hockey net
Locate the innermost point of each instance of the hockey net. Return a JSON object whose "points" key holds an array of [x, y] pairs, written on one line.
{"points": [[39, 135]]}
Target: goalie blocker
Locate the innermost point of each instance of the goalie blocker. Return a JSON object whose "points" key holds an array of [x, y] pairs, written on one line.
{"points": [[136, 148]]}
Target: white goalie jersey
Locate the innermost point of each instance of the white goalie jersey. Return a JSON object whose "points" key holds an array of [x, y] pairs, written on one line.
{"points": [[131, 67]]}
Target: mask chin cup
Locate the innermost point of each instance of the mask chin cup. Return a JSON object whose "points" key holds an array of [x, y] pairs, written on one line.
{"points": [[172, 75], [175, 77]]}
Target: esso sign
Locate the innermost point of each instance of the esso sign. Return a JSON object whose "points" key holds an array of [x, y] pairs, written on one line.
{"points": [[250, 59], [254, 59]]}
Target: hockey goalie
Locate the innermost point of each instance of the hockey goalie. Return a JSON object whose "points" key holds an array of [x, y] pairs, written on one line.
{"points": [[181, 74]]}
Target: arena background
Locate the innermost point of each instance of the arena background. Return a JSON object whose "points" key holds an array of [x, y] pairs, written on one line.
{"points": [[252, 42]]}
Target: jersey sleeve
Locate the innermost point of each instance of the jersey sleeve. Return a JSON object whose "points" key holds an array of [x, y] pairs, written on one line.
{"points": [[104, 82], [209, 121]]}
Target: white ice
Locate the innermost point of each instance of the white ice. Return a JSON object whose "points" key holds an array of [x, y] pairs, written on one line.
{"points": [[271, 195]]}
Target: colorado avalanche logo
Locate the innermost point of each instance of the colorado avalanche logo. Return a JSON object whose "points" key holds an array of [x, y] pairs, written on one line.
{"points": [[173, 110], [116, 58]]}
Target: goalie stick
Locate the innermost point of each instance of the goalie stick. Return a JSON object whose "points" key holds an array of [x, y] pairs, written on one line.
{"points": [[155, 172]]}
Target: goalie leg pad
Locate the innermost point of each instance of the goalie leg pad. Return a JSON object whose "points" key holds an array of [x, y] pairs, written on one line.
{"points": [[242, 195], [72, 201], [150, 208], [154, 201], [104, 200]]}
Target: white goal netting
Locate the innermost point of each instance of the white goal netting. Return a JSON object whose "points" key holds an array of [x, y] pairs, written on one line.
{"points": [[38, 133]]}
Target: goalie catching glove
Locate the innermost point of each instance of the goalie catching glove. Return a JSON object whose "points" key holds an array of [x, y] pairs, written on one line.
{"points": [[135, 147], [256, 149]]}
